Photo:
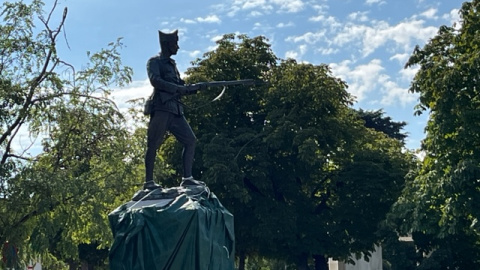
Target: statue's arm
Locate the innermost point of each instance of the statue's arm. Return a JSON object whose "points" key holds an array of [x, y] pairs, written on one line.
{"points": [[153, 71]]}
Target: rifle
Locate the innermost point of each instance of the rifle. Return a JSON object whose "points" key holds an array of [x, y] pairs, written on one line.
{"points": [[228, 83], [194, 88], [202, 85]]}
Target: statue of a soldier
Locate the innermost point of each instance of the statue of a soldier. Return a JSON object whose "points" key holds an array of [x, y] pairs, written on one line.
{"points": [[167, 110]]}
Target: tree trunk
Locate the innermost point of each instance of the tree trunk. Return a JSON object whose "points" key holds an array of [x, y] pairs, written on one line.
{"points": [[302, 262], [321, 262], [241, 261]]}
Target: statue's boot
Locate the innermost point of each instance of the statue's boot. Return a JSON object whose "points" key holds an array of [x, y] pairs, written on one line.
{"points": [[189, 181], [150, 185]]}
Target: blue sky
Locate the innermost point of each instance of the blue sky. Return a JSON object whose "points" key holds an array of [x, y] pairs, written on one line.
{"points": [[365, 42]]}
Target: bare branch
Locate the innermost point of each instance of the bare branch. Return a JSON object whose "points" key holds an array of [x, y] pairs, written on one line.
{"points": [[22, 157], [65, 30], [52, 96], [51, 12], [72, 67]]}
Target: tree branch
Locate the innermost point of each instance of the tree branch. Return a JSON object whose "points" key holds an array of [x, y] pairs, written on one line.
{"points": [[8, 146], [37, 81]]}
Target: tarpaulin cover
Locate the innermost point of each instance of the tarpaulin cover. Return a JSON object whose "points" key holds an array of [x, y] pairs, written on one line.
{"points": [[187, 232]]}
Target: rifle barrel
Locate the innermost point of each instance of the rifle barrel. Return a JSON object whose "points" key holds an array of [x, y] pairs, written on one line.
{"points": [[226, 83]]}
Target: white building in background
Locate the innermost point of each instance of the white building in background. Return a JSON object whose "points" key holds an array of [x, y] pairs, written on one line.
{"points": [[374, 263]]}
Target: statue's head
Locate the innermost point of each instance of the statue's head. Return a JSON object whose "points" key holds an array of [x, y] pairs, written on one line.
{"points": [[169, 42]]}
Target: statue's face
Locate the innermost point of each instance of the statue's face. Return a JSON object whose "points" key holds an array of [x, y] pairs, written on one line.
{"points": [[172, 47]]}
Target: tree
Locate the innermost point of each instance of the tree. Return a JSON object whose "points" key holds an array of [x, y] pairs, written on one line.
{"points": [[439, 204], [56, 198], [291, 159], [379, 122], [341, 170]]}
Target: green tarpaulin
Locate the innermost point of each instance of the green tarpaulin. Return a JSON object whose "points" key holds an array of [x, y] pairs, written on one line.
{"points": [[186, 232]]}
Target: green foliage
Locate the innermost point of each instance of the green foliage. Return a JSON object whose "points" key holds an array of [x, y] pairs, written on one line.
{"points": [[292, 161], [376, 120], [57, 197], [441, 200]]}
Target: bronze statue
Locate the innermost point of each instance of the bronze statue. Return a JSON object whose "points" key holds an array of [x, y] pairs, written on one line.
{"points": [[166, 110]]}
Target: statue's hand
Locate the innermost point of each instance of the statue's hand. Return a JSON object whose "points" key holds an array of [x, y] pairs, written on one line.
{"points": [[202, 85], [182, 90], [187, 89], [191, 89]]}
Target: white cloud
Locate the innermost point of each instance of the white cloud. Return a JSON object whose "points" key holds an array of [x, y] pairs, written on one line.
{"points": [[327, 51], [370, 82], [358, 16], [371, 2], [297, 54], [328, 21], [209, 19], [372, 37], [318, 18], [407, 74], [233, 11], [256, 13], [212, 48], [137, 89], [453, 17], [216, 38], [303, 49], [283, 25], [321, 8], [361, 79], [250, 4], [394, 94], [350, 33], [406, 32], [266, 28], [430, 13], [194, 54], [291, 54], [187, 21], [308, 37], [290, 6], [401, 58]]}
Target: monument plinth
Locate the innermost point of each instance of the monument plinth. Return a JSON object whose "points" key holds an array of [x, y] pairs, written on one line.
{"points": [[178, 228]]}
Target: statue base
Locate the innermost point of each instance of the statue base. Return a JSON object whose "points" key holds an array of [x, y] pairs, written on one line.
{"points": [[174, 228], [171, 193]]}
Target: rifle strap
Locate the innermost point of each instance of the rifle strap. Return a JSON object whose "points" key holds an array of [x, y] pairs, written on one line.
{"points": [[208, 102]]}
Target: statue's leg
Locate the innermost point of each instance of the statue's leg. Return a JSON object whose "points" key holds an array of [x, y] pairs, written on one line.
{"points": [[184, 134], [157, 127]]}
